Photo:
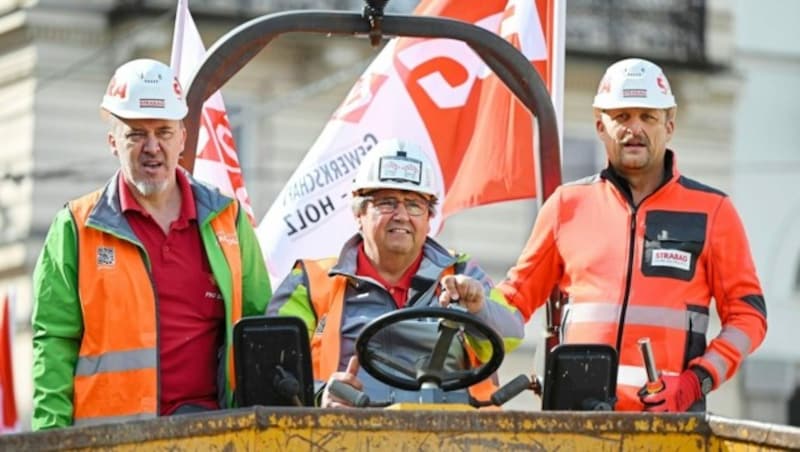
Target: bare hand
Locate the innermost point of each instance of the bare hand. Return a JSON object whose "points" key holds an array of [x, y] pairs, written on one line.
{"points": [[463, 289], [349, 377]]}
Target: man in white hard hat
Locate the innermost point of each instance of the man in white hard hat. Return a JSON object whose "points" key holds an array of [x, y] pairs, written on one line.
{"points": [[390, 264], [138, 283], [640, 250]]}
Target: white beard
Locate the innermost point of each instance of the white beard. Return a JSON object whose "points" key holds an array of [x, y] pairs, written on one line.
{"points": [[150, 188]]}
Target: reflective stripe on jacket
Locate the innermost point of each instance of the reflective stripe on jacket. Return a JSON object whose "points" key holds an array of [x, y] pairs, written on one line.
{"points": [[116, 376], [652, 274], [95, 309], [326, 294]]}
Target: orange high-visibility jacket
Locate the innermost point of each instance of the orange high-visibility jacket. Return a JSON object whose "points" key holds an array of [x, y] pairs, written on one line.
{"points": [[117, 371], [645, 271]]}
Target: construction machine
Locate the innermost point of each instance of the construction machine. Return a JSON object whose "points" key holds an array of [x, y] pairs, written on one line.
{"points": [[275, 394]]}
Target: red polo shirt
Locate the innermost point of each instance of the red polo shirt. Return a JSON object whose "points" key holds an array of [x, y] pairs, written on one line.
{"points": [[191, 312], [398, 291]]}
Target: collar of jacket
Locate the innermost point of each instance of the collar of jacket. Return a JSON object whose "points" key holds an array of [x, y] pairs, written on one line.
{"points": [[670, 172], [435, 258], [107, 214]]}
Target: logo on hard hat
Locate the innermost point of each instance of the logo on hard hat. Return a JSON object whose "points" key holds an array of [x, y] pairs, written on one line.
{"points": [[116, 89], [176, 86], [400, 169], [151, 103], [142, 89], [641, 93], [663, 84], [633, 82]]}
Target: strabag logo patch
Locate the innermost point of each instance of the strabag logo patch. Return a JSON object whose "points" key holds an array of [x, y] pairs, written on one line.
{"points": [[672, 258]]}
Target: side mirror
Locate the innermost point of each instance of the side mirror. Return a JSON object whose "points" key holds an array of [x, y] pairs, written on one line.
{"points": [[580, 377], [272, 358]]}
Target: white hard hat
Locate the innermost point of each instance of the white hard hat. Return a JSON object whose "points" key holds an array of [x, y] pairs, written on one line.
{"points": [[396, 164], [633, 83], [143, 89]]}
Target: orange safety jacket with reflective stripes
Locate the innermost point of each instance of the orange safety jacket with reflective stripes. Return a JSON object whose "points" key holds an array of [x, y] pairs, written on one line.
{"points": [[116, 377], [645, 271], [327, 294]]}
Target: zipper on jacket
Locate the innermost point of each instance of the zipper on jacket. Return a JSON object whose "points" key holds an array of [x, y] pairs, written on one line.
{"points": [[623, 188], [628, 281]]}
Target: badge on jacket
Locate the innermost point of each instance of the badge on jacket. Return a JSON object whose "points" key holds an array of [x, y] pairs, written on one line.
{"points": [[106, 256], [672, 258]]}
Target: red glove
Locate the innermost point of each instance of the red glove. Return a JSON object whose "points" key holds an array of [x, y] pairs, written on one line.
{"points": [[679, 393]]}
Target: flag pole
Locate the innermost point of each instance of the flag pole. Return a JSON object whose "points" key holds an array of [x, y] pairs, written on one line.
{"points": [[557, 27], [559, 57], [177, 37]]}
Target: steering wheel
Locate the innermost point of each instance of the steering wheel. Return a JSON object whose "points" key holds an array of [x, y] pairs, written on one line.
{"points": [[391, 371]]}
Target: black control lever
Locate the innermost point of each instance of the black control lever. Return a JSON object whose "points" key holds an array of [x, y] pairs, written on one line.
{"points": [[506, 392], [510, 390], [346, 392], [286, 385]]}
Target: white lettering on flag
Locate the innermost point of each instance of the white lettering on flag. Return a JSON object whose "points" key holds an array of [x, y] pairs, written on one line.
{"points": [[522, 19]]}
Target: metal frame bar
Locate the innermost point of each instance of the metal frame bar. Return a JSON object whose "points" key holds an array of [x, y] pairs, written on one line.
{"points": [[235, 49]]}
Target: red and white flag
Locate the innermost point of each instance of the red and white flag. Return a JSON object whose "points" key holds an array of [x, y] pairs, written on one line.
{"points": [[437, 93], [216, 162], [9, 420]]}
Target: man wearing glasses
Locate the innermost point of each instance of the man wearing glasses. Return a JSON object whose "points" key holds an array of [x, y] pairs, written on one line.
{"points": [[390, 264]]}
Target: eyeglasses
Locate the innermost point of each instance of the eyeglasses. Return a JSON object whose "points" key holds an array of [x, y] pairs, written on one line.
{"points": [[414, 207]]}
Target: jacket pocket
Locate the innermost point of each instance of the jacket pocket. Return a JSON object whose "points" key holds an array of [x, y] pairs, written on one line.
{"points": [[673, 241]]}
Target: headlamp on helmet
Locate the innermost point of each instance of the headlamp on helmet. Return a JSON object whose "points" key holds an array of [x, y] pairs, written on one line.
{"points": [[396, 164]]}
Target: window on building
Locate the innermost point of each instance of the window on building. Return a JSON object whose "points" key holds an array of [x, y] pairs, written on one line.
{"points": [[665, 30]]}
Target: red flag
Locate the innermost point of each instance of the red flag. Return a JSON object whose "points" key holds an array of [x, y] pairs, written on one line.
{"points": [[8, 407], [437, 93], [216, 162], [493, 161]]}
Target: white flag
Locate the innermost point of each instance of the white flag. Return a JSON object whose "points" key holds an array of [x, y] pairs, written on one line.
{"points": [[437, 93], [216, 162]]}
